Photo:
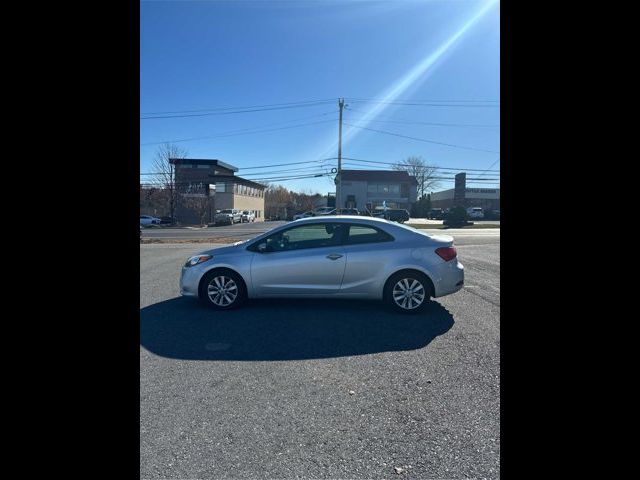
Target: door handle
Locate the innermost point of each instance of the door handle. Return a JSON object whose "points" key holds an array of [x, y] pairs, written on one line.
{"points": [[334, 256]]}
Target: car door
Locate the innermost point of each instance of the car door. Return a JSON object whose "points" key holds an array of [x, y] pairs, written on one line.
{"points": [[306, 259], [369, 250]]}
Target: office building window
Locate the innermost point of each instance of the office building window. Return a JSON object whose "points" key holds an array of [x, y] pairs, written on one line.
{"points": [[383, 188]]}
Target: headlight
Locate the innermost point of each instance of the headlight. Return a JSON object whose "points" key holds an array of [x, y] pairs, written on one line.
{"points": [[197, 259]]}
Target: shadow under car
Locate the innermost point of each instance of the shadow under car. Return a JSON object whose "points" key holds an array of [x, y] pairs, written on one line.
{"points": [[286, 329]]}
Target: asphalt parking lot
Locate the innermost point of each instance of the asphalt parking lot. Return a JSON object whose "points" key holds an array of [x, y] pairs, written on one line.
{"points": [[320, 388]]}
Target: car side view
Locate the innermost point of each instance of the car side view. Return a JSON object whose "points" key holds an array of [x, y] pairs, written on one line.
{"points": [[149, 220], [328, 257]]}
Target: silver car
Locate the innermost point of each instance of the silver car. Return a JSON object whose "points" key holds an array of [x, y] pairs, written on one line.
{"points": [[335, 256], [229, 215]]}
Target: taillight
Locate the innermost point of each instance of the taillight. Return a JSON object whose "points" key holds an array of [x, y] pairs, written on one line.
{"points": [[447, 253]]}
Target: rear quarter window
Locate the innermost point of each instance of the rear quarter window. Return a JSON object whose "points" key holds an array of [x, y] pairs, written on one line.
{"points": [[366, 234]]}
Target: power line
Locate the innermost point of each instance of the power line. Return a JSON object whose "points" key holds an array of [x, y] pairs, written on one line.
{"points": [[472, 105], [282, 164], [443, 171], [231, 182], [311, 167], [291, 177], [469, 179], [409, 165], [411, 122], [238, 108], [422, 139], [350, 161], [426, 101], [232, 111], [263, 166], [490, 167], [246, 131]]}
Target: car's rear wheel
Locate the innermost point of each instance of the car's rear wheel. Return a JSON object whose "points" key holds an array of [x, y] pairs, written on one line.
{"points": [[407, 292], [222, 289]]}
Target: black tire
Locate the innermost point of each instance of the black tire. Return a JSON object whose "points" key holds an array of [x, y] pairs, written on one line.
{"points": [[407, 278], [211, 296]]}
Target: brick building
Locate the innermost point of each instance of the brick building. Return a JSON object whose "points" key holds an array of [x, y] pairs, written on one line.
{"points": [[208, 185]]}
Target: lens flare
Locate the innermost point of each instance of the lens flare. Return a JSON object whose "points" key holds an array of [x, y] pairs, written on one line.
{"points": [[417, 73]]}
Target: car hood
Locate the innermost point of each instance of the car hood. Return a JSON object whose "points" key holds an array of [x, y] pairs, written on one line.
{"points": [[233, 248]]}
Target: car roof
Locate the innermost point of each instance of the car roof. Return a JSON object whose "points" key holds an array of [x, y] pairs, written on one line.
{"points": [[343, 218]]}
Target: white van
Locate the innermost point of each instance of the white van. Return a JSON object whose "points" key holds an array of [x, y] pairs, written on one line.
{"points": [[475, 212]]}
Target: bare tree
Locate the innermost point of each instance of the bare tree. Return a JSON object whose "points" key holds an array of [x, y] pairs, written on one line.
{"points": [[164, 172], [276, 199], [154, 201], [200, 205], [306, 199], [417, 167]]}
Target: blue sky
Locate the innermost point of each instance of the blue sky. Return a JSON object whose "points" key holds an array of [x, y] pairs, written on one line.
{"points": [[197, 55]]}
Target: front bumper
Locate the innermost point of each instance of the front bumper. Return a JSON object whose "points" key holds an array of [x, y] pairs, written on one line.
{"points": [[190, 280]]}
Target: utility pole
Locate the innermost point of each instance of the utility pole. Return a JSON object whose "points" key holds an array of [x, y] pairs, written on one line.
{"points": [[339, 192]]}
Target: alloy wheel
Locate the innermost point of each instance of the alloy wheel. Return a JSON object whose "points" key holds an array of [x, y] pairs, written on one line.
{"points": [[222, 291], [408, 293]]}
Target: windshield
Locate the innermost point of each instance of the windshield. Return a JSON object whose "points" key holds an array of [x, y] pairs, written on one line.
{"points": [[226, 211]]}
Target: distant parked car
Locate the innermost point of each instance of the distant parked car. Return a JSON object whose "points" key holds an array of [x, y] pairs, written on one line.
{"points": [[248, 216], [324, 211], [167, 220], [475, 212], [436, 214], [149, 220], [298, 216], [348, 211], [228, 216], [396, 215]]}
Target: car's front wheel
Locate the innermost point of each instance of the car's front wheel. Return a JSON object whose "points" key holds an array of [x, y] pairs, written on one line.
{"points": [[222, 289], [407, 292]]}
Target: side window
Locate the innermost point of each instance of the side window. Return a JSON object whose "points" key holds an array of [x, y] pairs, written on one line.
{"points": [[366, 234], [306, 236]]}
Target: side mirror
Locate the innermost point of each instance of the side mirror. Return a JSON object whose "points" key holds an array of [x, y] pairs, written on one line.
{"points": [[262, 247]]}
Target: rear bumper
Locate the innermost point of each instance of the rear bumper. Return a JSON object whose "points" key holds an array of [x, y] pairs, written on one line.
{"points": [[450, 279]]}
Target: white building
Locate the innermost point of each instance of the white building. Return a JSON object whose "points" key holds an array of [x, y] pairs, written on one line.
{"points": [[368, 189]]}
